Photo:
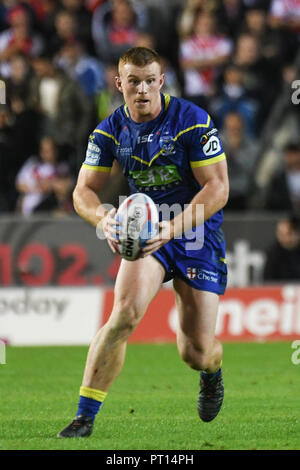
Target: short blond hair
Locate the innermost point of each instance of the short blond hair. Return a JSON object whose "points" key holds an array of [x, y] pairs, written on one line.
{"points": [[139, 56]]}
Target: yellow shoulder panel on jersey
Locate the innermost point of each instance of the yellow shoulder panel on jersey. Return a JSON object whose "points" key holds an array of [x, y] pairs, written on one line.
{"points": [[208, 161], [192, 128], [103, 169], [110, 136]]}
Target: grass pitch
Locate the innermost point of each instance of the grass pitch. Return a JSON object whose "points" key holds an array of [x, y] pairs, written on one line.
{"points": [[152, 405]]}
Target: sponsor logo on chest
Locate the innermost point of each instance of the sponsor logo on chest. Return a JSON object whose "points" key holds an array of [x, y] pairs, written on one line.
{"points": [[143, 139]]}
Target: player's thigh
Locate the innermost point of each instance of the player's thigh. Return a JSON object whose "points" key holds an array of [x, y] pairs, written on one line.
{"points": [[197, 312], [136, 285]]}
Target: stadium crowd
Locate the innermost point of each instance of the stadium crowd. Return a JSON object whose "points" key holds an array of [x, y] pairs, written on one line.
{"points": [[239, 59]]}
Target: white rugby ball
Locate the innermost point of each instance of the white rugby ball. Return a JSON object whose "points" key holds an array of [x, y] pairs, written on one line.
{"points": [[138, 219]]}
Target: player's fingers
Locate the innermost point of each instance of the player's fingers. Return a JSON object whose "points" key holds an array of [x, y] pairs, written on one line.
{"points": [[112, 230], [164, 233], [111, 236], [111, 225], [112, 245], [111, 217]]}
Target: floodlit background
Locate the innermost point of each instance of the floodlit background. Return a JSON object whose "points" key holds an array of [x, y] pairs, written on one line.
{"points": [[240, 60]]}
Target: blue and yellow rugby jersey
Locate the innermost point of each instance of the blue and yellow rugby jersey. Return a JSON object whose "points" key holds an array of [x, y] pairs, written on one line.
{"points": [[158, 156]]}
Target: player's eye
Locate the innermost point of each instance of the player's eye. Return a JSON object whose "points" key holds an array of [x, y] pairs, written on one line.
{"points": [[133, 81]]}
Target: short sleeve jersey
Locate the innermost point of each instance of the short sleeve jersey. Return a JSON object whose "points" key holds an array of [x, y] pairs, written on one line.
{"points": [[158, 156]]}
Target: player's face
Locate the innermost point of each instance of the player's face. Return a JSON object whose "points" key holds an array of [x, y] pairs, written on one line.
{"points": [[141, 89]]}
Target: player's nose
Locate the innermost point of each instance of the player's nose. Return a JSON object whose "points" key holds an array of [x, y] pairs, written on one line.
{"points": [[142, 88]]}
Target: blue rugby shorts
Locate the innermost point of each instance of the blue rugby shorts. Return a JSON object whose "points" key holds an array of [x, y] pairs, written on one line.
{"points": [[202, 268]]}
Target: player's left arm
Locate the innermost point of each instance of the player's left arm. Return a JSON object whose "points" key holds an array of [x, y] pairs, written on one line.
{"points": [[213, 197]]}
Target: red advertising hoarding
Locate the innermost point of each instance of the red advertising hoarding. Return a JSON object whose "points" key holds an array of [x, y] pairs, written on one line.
{"points": [[245, 314]]}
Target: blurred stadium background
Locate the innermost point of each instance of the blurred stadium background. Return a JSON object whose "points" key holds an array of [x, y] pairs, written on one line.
{"points": [[240, 59]]}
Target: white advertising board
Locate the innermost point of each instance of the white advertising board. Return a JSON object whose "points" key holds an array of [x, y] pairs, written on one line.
{"points": [[50, 315]]}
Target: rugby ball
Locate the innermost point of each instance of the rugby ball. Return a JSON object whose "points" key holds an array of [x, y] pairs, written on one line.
{"points": [[138, 219]]}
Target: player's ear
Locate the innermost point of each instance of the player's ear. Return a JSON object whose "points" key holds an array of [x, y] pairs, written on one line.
{"points": [[118, 83], [162, 80]]}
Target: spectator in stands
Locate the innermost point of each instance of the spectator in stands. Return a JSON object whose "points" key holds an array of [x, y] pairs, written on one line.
{"points": [[66, 113], [61, 200], [115, 25], [83, 18], [273, 43], [5, 159], [25, 131], [85, 69], [230, 15], [18, 38], [66, 31], [233, 97], [47, 25], [36, 179], [19, 132], [32, 7], [283, 257], [284, 189], [286, 14], [201, 55], [189, 11], [20, 76], [242, 153], [109, 98], [281, 127], [257, 74]]}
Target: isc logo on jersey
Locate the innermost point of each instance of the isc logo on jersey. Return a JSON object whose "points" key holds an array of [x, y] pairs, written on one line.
{"points": [[143, 139]]}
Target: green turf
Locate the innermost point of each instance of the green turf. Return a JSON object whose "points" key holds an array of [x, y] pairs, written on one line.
{"points": [[152, 405]]}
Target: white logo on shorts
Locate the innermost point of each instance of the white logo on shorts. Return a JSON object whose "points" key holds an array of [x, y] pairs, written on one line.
{"points": [[191, 273]]}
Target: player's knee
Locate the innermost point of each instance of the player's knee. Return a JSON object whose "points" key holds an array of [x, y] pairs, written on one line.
{"points": [[124, 320]]}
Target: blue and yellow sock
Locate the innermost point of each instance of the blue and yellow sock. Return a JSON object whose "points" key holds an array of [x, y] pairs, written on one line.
{"points": [[214, 374], [90, 401]]}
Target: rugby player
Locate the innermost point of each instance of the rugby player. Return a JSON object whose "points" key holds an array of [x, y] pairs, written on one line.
{"points": [[150, 132]]}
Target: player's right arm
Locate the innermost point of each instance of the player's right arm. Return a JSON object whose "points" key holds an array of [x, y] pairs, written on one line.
{"points": [[88, 205], [86, 201], [93, 175]]}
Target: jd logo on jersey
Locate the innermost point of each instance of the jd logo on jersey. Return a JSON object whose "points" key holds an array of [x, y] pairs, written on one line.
{"points": [[212, 146]]}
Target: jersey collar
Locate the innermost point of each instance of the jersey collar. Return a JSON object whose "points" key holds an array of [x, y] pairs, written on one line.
{"points": [[165, 101]]}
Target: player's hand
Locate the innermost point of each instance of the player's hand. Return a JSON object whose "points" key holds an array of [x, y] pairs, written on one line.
{"points": [[164, 235], [110, 228]]}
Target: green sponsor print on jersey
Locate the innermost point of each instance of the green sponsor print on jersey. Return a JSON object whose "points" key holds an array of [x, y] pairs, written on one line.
{"points": [[156, 176]]}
